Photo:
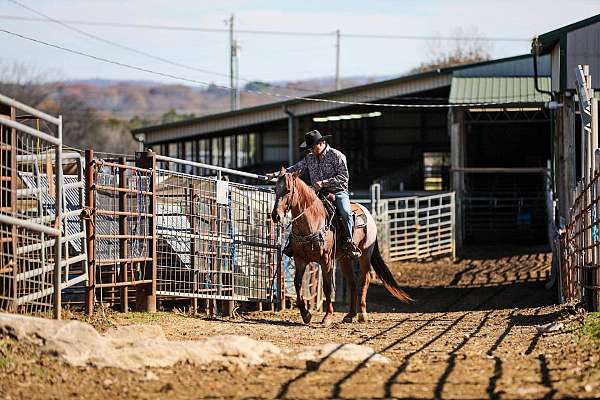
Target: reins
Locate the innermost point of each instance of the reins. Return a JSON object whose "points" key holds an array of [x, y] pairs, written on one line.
{"points": [[315, 237]]}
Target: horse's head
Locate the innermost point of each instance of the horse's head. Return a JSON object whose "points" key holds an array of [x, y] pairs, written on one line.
{"points": [[284, 194]]}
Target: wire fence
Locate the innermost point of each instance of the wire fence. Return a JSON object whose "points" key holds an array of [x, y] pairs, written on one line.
{"points": [[580, 246], [155, 232]]}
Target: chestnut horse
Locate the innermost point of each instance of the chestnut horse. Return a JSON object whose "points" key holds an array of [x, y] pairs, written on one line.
{"points": [[314, 241]]}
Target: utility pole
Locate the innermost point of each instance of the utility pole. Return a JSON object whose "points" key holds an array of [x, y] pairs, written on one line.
{"points": [[234, 97], [338, 84]]}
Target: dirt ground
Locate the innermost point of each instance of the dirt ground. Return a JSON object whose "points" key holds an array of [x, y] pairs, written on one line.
{"points": [[470, 334]]}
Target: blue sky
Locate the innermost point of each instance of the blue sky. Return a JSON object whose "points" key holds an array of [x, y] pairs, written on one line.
{"points": [[270, 57]]}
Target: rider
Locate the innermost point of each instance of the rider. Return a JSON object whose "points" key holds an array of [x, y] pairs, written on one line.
{"points": [[328, 173]]}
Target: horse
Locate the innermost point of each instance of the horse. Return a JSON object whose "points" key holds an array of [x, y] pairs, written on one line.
{"points": [[315, 241]]}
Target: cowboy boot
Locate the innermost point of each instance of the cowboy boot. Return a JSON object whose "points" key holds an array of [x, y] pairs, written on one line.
{"points": [[352, 249]]}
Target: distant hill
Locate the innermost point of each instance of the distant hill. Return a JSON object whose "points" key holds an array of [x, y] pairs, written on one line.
{"points": [[149, 100]]}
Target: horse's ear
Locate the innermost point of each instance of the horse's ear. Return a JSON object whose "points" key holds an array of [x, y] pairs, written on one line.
{"points": [[283, 171], [295, 174]]}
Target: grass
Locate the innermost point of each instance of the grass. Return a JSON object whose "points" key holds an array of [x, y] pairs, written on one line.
{"points": [[589, 332], [6, 360]]}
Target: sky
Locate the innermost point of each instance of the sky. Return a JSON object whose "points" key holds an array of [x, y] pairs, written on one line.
{"points": [[268, 57]]}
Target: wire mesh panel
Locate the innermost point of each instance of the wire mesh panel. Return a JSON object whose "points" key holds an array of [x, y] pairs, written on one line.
{"points": [[215, 239], [580, 247], [122, 218], [416, 227], [30, 221]]}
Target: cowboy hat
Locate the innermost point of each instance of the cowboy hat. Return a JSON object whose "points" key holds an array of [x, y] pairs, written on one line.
{"points": [[311, 138]]}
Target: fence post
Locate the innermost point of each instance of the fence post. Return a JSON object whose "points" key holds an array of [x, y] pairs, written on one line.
{"points": [[596, 232], [13, 209], [146, 293], [90, 201], [123, 231], [58, 216], [193, 251]]}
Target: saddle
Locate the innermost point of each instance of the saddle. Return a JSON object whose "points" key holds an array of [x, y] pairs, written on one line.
{"points": [[358, 215]]}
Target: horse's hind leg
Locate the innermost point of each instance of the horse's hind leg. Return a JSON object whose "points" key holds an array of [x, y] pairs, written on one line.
{"points": [[365, 279], [346, 265], [300, 266]]}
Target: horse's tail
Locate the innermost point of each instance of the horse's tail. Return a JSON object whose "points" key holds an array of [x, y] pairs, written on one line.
{"points": [[384, 273]]}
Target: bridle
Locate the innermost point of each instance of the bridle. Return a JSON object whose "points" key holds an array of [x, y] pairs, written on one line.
{"points": [[313, 238]]}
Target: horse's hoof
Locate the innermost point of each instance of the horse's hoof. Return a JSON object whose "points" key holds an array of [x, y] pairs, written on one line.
{"points": [[362, 317], [327, 320], [307, 317], [348, 319]]}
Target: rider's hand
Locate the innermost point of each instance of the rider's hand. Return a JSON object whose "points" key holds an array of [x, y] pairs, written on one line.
{"points": [[318, 185]]}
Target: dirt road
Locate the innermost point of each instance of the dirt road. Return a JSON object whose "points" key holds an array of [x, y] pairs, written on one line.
{"points": [[471, 334]]}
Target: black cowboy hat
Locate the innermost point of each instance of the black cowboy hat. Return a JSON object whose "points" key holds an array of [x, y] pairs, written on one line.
{"points": [[311, 138]]}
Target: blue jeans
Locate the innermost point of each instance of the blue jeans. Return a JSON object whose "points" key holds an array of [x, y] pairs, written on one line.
{"points": [[342, 202]]}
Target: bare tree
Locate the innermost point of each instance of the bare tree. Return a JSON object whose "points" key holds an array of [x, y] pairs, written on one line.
{"points": [[465, 47], [82, 127]]}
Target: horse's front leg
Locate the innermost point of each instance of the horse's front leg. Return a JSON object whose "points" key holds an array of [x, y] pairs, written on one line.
{"points": [[300, 266], [327, 269]]}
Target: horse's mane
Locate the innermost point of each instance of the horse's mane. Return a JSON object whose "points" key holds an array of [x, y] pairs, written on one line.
{"points": [[310, 197]]}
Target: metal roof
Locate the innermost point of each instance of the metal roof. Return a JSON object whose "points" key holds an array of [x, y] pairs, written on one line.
{"points": [[373, 92], [515, 66], [548, 40], [498, 89]]}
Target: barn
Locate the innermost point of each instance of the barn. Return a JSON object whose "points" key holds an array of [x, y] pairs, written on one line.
{"points": [[414, 143]]}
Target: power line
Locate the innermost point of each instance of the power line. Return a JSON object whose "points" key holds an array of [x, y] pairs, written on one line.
{"points": [[136, 51], [260, 92], [269, 32]]}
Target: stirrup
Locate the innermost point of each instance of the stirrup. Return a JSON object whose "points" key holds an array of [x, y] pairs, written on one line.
{"points": [[352, 250]]}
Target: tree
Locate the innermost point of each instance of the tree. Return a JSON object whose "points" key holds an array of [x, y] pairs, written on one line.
{"points": [[82, 127], [468, 48]]}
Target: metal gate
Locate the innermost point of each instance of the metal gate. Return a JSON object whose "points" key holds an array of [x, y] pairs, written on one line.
{"points": [[415, 227], [38, 228]]}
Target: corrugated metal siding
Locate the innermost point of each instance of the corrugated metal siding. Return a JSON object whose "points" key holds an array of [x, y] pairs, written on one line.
{"points": [[583, 47], [518, 67], [498, 89], [308, 107]]}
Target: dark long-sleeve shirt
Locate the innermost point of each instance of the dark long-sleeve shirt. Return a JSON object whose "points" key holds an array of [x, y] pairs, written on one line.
{"points": [[330, 168]]}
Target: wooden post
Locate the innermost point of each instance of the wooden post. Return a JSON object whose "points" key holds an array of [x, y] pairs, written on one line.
{"points": [[123, 241], [146, 293], [457, 179], [90, 215]]}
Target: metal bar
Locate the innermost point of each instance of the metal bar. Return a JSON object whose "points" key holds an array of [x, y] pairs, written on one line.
{"points": [[121, 190], [111, 261], [5, 219], [123, 284], [33, 132], [90, 202], [122, 213], [24, 107], [59, 215], [121, 165], [211, 167]]}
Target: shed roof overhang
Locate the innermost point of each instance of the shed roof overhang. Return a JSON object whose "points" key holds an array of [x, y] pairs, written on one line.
{"points": [[371, 93], [511, 90]]}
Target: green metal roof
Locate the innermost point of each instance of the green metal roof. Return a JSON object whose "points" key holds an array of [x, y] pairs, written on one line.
{"points": [[498, 89]]}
